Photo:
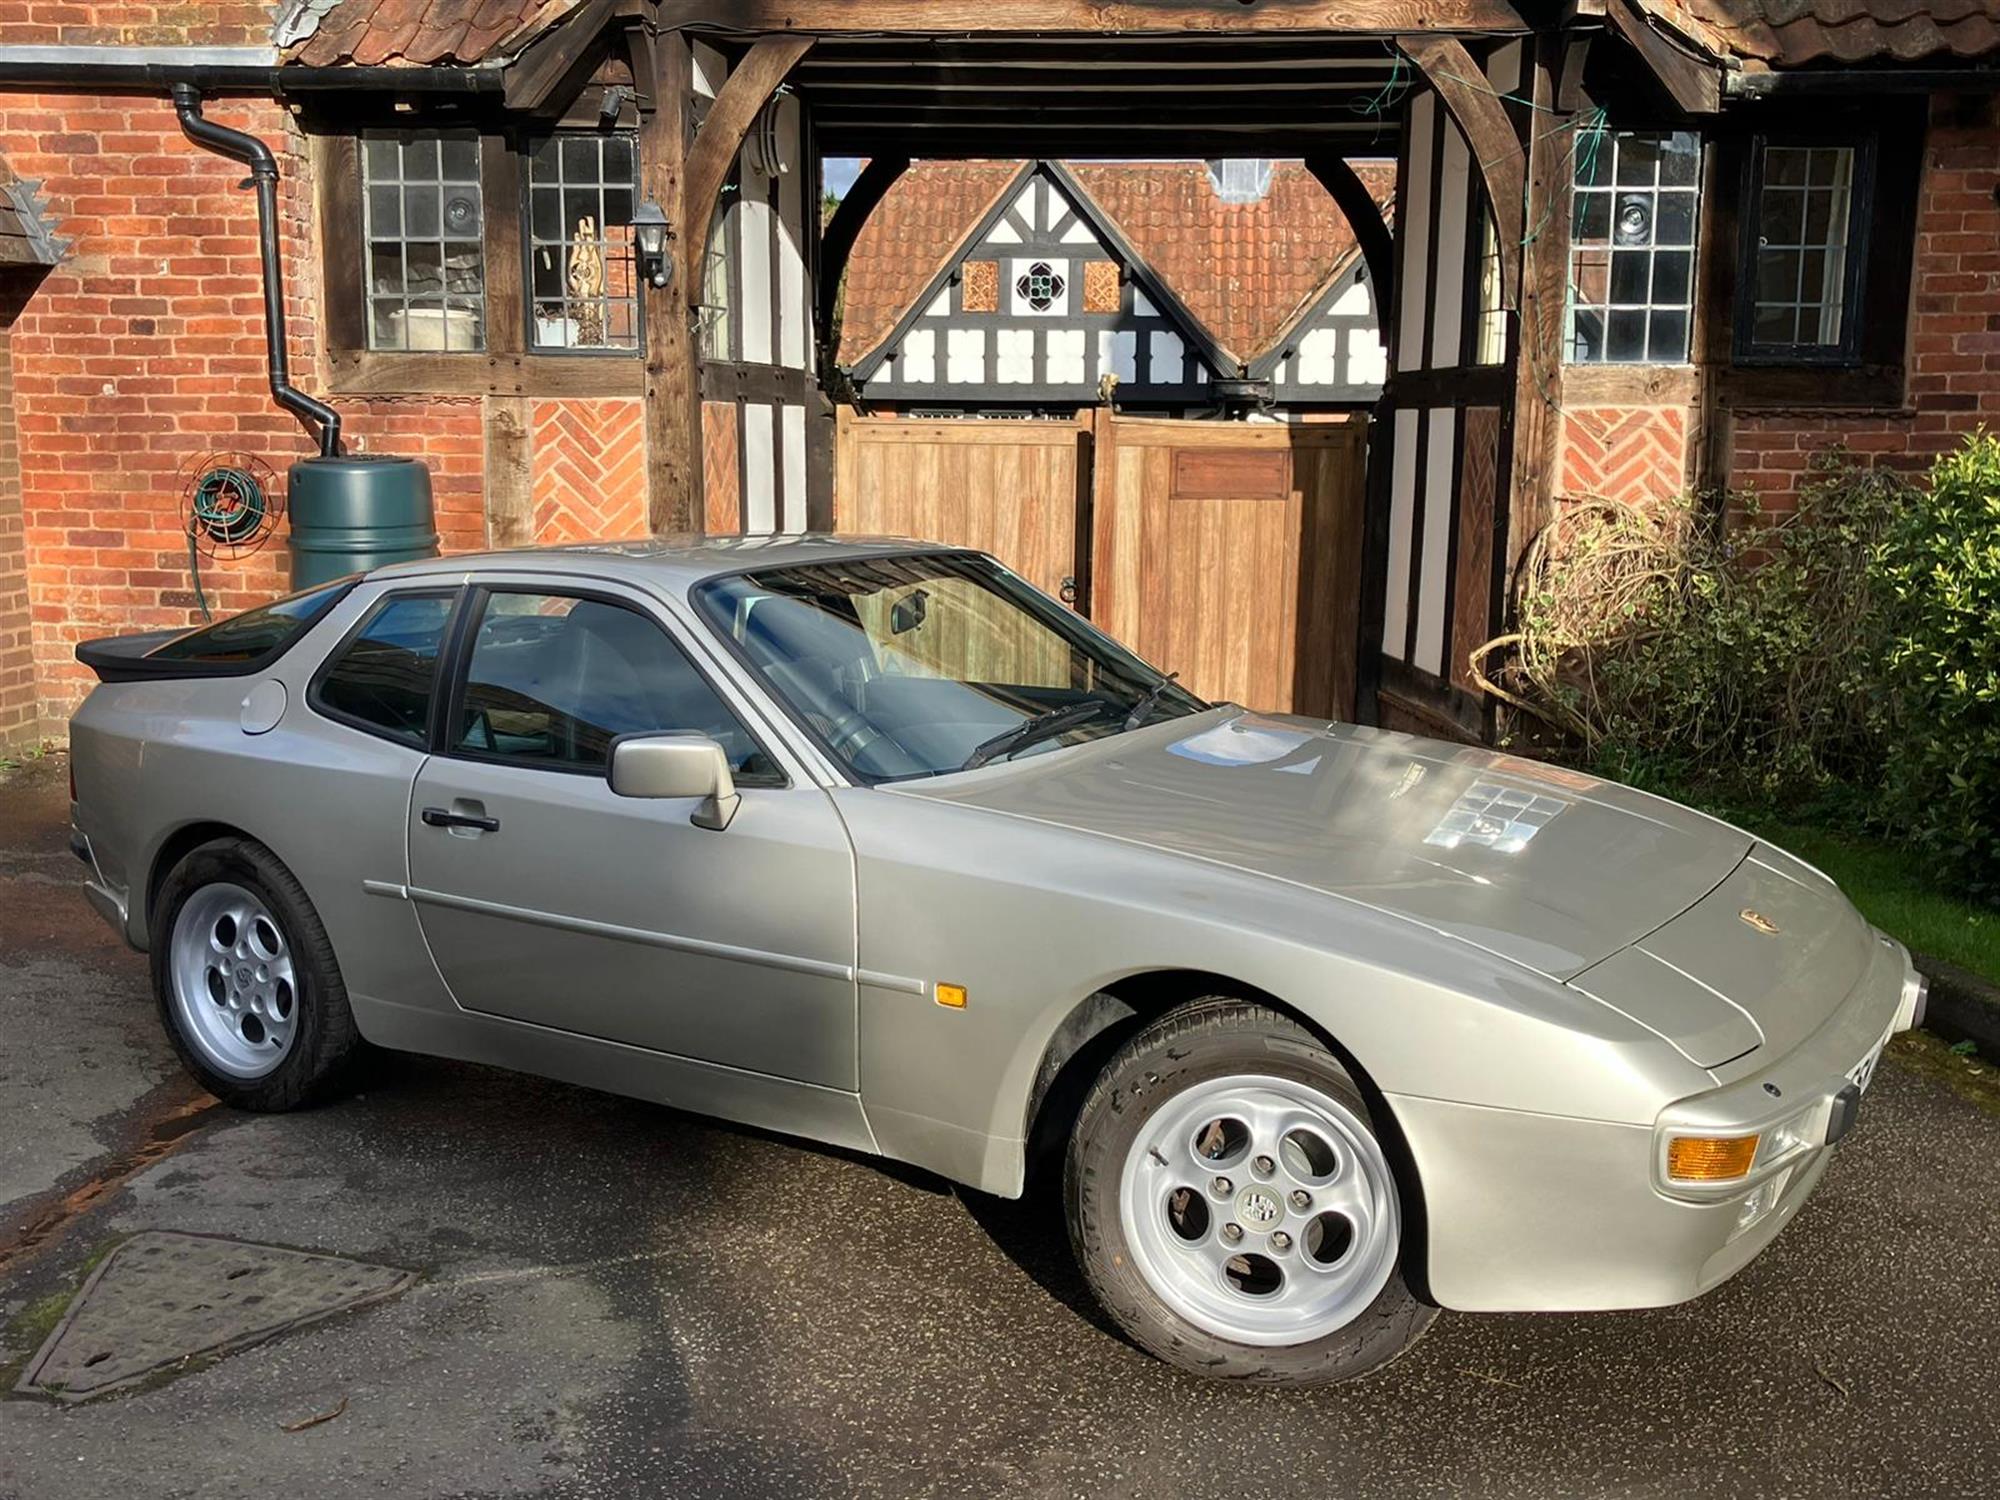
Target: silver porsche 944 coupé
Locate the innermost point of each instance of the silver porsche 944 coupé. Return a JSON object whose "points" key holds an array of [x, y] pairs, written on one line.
{"points": [[871, 842]]}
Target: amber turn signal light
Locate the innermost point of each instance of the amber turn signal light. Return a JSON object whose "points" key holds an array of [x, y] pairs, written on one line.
{"points": [[952, 995], [1708, 1158]]}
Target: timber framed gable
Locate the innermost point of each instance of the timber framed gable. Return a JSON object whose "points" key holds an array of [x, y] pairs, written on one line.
{"points": [[1043, 302]]}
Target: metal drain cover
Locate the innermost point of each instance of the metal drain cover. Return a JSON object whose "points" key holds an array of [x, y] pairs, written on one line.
{"points": [[161, 1298]]}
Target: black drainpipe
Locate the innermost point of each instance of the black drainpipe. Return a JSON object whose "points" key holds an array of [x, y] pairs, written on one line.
{"points": [[318, 418]]}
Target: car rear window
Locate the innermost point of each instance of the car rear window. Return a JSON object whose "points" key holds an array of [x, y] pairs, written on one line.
{"points": [[256, 635]]}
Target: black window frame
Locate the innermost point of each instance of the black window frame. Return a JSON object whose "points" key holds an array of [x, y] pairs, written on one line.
{"points": [[403, 136], [1611, 134], [1744, 349], [463, 636], [315, 697], [523, 148]]}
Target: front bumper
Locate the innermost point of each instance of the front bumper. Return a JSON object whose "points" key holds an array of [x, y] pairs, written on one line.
{"points": [[1530, 1212]]}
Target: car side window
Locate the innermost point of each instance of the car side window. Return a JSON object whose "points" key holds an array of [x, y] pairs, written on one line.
{"points": [[553, 679], [384, 676]]}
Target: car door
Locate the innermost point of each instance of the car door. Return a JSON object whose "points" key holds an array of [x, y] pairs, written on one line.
{"points": [[550, 900]]}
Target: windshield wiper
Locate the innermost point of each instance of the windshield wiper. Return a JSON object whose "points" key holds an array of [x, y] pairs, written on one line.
{"points": [[1149, 702], [1028, 731]]}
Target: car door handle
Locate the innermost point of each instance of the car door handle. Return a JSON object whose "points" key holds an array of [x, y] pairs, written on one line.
{"points": [[438, 817]]}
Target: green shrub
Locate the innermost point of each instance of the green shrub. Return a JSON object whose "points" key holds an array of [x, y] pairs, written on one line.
{"points": [[1938, 567], [1840, 664], [1728, 661]]}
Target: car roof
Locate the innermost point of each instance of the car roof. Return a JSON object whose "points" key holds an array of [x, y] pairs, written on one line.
{"points": [[673, 562]]}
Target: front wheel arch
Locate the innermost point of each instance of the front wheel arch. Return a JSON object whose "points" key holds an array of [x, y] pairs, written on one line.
{"points": [[1099, 1024]]}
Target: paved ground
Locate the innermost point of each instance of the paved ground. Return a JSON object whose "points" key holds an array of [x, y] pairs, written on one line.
{"points": [[619, 1300]]}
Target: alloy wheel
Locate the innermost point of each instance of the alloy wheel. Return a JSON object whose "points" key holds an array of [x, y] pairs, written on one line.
{"points": [[1261, 1210], [234, 987]]}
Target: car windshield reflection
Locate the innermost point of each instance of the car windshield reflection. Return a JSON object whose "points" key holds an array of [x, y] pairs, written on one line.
{"points": [[930, 663]]}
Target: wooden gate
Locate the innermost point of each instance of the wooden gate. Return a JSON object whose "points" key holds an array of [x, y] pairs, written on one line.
{"points": [[1229, 551], [1008, 488]]}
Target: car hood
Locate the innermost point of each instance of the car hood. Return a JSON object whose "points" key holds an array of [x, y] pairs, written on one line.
{"points": [[1549, 868]]}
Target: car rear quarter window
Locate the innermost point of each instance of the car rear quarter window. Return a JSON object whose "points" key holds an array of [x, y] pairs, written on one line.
{"points": [[553, 679], [383, 677], [256, 636]]}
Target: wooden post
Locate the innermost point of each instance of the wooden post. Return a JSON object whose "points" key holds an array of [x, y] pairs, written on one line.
{"points": [[510, 499], [675, 501], [1536, 416]]}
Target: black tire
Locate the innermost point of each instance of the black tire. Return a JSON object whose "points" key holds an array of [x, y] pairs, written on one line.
{"points": [[326, 1042], [1212, 1038]]}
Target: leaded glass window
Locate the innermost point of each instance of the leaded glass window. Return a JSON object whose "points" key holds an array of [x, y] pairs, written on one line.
{"points": [[1632, 243], [1806, 263], [583, 279], [1041, 287], [421, 216]]}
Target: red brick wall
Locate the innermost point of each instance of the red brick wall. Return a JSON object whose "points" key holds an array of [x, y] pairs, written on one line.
{"points": [[144, 351], [18, 713], [1954, 381], [237, 24]]}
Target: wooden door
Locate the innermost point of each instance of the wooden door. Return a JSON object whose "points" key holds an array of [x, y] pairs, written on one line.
{"points": [[1231, 553]]}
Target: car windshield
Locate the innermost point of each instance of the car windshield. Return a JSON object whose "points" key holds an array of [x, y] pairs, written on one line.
{"points": [[926, 664]]}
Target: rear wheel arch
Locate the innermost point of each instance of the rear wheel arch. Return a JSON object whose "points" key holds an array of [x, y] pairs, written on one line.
{"points": [[176, 847], [1099, 1024]]}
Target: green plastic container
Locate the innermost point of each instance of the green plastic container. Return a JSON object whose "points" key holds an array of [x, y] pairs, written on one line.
{"points": [[357, 512]]}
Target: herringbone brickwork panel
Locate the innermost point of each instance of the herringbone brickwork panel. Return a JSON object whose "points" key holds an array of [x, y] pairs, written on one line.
{"points": [[1630, 453], [589, 471], [721, 475]]}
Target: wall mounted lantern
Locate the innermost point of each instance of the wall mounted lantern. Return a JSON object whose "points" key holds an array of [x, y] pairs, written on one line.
{"points": [[649, 239]]}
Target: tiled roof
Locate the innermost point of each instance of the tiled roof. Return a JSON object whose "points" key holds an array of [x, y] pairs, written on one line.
{"points": [[907, 240], [1246, 270], [1792, 33], [328, 33]]}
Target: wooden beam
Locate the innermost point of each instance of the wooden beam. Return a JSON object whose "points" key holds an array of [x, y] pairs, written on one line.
{"points": [[1158, 17], [556, 64], [736, 107], [675, 499], [1364, 216], [1535, 413], [837, 240], [1496, 146], [1691, 79]]}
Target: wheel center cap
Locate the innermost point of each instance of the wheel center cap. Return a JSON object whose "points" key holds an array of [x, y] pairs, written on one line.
{"points": [[1259, 1209], [243, 977]]}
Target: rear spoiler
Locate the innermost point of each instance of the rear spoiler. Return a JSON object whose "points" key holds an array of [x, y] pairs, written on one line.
{"points": [[126, 658], [122, 658]]}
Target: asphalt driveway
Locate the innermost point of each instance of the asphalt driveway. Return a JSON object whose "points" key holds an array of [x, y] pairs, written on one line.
{"points": [[620, 1300]]}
